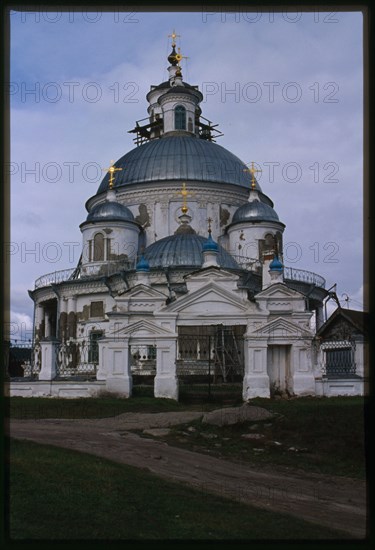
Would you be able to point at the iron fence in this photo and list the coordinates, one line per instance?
(143, 364)
(77, 358)
(21, 359)
(90, 271)
(339, 358)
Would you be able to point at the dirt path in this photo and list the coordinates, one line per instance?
(336, 502)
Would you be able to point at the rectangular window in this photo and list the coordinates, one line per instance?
(180, 117)
(340, 362)
(98, 248)
(94, 347)
(151, 353)
(97, 309)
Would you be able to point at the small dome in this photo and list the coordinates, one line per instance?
(143, 265)
(172, 57)
(184, 250)
(210, 245)
(255, 211)
(165, 86)
(276, 265)
(110, 211)
(182, 90)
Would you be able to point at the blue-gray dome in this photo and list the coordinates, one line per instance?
(184, 250)
(255, 211)
(110, 211)
(276, 265)
(210, 245)
(143, 265)
(181, 158)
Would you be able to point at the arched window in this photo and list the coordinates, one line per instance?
(279, 237)
(180, 117)
(98, 248)
(269, 241)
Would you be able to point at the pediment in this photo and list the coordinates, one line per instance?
(216, 273)
(142, 328)
(140, 298)
(210, 299)
(282, 328)
(143, 292)
(279, 291)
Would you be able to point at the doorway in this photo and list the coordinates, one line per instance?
(279, 370)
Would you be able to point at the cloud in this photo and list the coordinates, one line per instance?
(21, 326)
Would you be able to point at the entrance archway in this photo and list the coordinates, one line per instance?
(279, 370)
(210, 362)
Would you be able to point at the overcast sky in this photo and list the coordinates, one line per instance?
(285, 89)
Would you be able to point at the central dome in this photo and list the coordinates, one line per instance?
(184, 158)
(184, 250)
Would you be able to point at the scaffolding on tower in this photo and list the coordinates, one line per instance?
(143, 130)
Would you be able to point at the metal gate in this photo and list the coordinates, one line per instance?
(210, 363)
(143, 368)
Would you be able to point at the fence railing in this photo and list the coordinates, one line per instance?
(21, 359)
(250, 264)
(303, 276)
(78, 273)
(54, 278)
(77, 358)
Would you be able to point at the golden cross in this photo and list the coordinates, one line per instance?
(173, 36)
(111, 171)
(209, 220)
(252, 171)
(185, 194)
(179, 56)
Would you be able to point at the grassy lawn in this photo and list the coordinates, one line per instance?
(57, 494)
(101, 407)
(327, 436)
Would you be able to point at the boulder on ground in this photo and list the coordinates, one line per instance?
(236, 415)
(157, 432)
(252, 436)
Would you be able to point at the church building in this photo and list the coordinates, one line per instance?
(181, 273)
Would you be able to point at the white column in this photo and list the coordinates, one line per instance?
(266, 277)
(72, 300)
(39, 316)
(63, 305)
(359, 359)
(48, 360)
(166, 383)
(101, 373)
(47, 326)
(302, 369)
(119, 379)
(256, 381)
